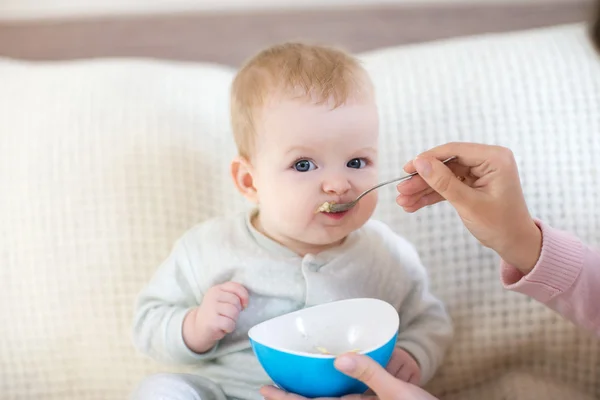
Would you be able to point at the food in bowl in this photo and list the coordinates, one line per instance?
(323, 350)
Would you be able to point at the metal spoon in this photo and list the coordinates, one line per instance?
(341, 207)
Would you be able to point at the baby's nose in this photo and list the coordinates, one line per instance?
(336, 185)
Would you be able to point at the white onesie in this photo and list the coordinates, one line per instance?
(372, 262)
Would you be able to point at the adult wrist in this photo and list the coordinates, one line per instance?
(524, 249)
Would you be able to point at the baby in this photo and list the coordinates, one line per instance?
(306, 126)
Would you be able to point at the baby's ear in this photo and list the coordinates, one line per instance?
(241, 172)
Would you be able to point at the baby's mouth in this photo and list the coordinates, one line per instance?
(325, 207)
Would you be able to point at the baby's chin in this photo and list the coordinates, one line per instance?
(321, 237)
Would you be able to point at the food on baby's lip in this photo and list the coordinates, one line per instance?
(325, 207)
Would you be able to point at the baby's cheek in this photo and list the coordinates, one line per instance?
(295, 207)
(368, 204)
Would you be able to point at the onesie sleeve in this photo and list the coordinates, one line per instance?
(162, 305)
(425, 326)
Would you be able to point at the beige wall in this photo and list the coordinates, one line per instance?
(47, 8)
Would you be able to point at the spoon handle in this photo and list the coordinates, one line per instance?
(396, 180)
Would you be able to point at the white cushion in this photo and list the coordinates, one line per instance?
(103, 164)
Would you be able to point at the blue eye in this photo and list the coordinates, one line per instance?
(304, 165)
(357, 163)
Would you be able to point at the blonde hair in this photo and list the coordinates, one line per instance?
(295, 70)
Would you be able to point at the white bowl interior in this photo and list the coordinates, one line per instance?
(338, 327)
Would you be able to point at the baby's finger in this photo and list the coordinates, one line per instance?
(394, 366)
(230, 298)
(228, 310)
(226, 324)
(414, 379)
(404, 374)
(238, 290)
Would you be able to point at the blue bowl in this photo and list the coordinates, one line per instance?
(297, 350)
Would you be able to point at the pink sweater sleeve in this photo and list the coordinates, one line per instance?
(566, 278)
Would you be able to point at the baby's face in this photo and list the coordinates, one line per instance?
(309, 154)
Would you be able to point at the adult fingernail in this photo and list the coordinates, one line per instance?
(423, 167)
(345, 364)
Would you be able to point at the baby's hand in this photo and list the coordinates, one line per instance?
(216, 316)
(404, 367)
